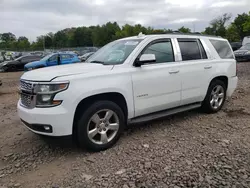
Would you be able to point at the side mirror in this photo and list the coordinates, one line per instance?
(144, 59)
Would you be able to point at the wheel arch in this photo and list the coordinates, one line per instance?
(115, 97)
(222, 78)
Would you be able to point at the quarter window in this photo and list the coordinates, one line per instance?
(191, 49)
(162, 50)
(222, 48)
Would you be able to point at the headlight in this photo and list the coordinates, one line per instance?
(248, 52)
(50, 88)
(45, 93)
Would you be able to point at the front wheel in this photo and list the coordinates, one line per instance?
(215, 98)
(100, 126)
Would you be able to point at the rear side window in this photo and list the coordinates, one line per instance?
(162, 50)
(222, 48)
(191, 49)
(66, 56)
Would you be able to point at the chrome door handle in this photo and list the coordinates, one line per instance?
(208, 67)
(174, 72)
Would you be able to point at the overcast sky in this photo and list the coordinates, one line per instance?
(32, 18)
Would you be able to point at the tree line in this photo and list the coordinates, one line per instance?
(102, 34)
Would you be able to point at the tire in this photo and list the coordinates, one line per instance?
(209, 104)
(89, 121)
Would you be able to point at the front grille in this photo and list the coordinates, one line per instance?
(27, 86)
(27, 100)
(26, 94)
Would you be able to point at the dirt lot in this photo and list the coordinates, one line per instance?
(190, 149)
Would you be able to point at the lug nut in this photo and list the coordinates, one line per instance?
(104, 129)
(100, 130)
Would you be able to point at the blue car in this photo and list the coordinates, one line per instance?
(53, 60)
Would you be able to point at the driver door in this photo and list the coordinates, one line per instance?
(157, 86)
(53, 60)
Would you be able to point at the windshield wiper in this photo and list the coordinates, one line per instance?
(100, 62)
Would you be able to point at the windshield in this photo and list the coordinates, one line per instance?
(17, 59)
(46, 57)
(115, 52)
(246, 47)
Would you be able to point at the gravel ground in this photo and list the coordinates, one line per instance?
(190, 149)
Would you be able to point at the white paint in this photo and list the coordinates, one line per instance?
(146, 89)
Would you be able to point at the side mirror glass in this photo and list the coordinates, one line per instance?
(144, 59)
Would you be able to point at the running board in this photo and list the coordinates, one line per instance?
(164, 113)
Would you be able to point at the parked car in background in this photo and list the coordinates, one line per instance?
(54, 59)
(246, 40)
(236, 45)
(131, 80)
(86, 56)
(1, 58)
(17, 64)
(243, 54)
(38, 53)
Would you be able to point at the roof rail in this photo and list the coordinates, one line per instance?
(195, 33)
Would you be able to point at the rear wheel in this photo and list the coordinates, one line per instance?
(100, 126)
(215, 97)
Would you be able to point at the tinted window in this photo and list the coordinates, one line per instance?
(191, 49)
(222, 48)
(25, 59)
(32, 58)
(163, 51)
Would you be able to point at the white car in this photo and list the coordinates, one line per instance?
(130, 80)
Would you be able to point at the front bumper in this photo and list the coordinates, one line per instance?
(58, 118)
(232, 85)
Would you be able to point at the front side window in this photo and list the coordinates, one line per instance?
(162, 50)
(191, 49)
(115, 52)
(246, 47)
(223, 49)
(53, 58)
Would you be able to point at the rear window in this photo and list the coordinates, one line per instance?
(222, 48)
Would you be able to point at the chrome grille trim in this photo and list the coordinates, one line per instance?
(26, 94)
(26, 86)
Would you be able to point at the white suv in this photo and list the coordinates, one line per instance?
(130, 80)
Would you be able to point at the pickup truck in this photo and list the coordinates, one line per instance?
(130, 80)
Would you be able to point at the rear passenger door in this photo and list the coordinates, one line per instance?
(66, 58)
(195, 70)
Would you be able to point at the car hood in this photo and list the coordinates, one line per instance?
(33, 64)
(241, 51)
(49, 73)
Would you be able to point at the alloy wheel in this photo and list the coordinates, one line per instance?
(103, 126)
